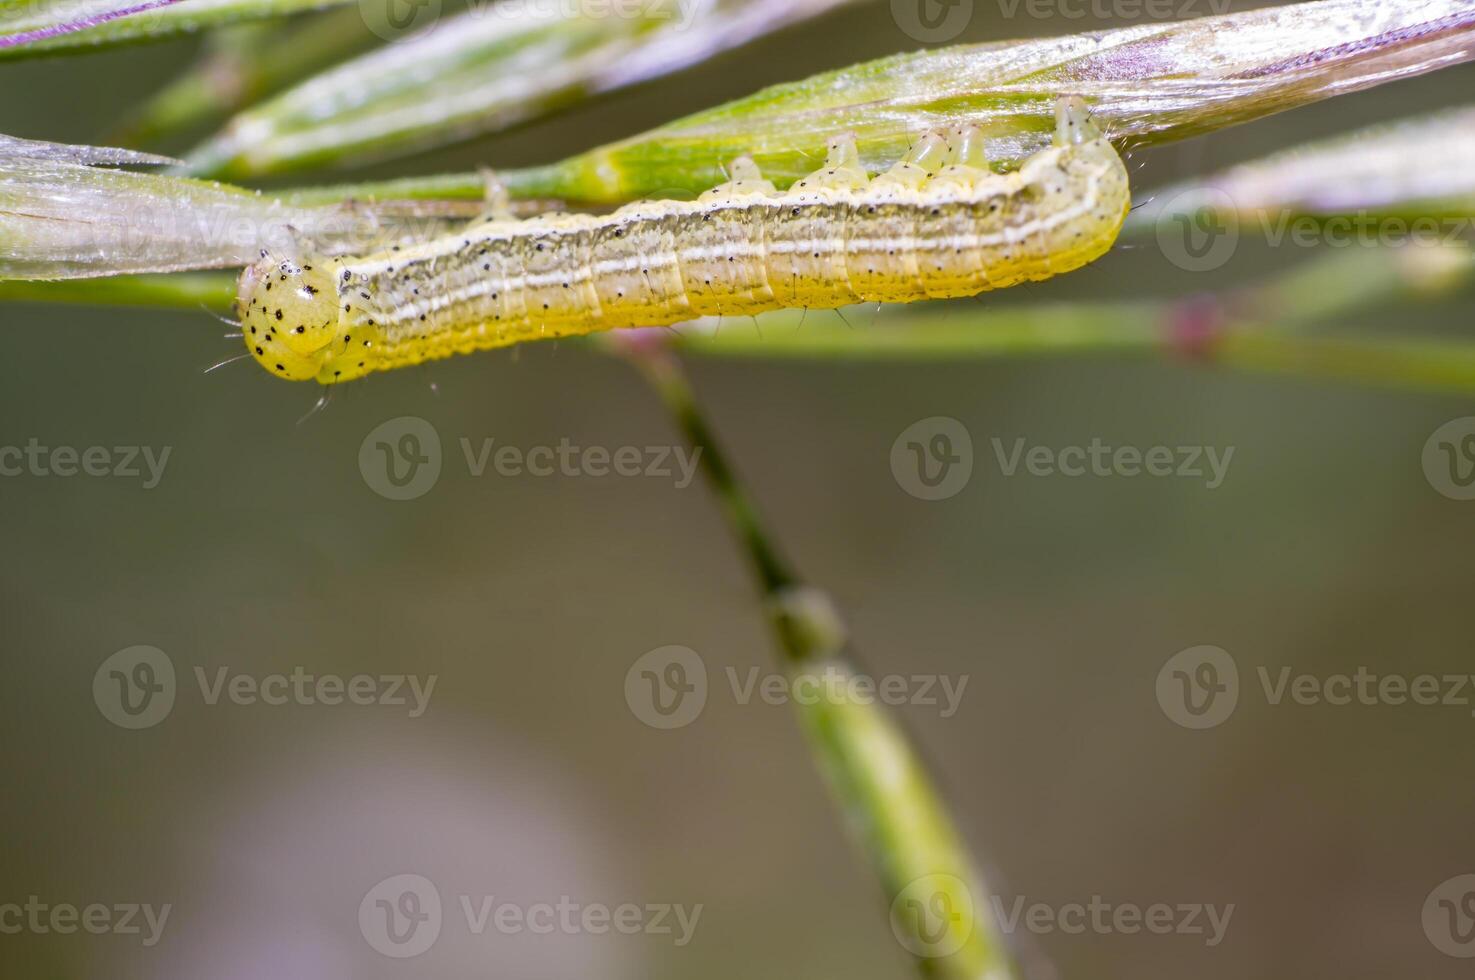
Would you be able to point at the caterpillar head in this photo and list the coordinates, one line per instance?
(290, 321)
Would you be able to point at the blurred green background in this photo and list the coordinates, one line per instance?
(529, 777)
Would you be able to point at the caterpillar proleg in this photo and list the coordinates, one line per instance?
(937, 224)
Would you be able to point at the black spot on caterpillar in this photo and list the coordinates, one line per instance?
(937, 224)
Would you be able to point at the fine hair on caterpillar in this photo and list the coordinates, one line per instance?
(937, 224)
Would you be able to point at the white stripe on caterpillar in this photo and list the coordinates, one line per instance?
(937, 224)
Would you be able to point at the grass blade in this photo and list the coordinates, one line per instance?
(32, 23)
(1416, 170)
(478, 72)
(62, 215)
(243, 64)
(38, 27)
(1150, 84)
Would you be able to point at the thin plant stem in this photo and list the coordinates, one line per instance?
(938, 907)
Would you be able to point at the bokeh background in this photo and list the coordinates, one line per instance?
(529, 777)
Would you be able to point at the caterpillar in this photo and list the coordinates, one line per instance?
(937, 224)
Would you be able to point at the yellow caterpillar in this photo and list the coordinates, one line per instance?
(937, 224)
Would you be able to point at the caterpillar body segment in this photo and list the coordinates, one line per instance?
(937, 224)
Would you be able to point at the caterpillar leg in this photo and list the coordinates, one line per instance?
(1073, 125)
(728, 275)
(842, 169)
(950, 262)
(496, 204)
(804, 270)
(1048, 188)
(924, 158)
(1080, 175)
(886, 264)
(969, 166)
(745, 179)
